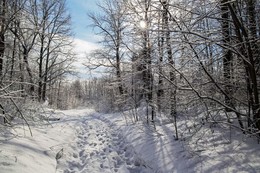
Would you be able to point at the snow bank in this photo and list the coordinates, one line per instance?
(206, 151)
(22, 153)
(95, 142)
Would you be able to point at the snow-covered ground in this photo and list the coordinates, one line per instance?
(85, 141)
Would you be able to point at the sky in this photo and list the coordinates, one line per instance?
(85, 39)
(80, 21)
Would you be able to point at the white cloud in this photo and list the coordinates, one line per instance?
(82, 48)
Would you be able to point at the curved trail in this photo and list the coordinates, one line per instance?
(100, 147)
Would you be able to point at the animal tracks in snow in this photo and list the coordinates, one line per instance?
(100, 147)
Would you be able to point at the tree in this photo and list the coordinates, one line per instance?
(39, 41)
(142, 48)
(207, 51)
(147, 71)
(110, 25)
(171, 62)
(26, 31)
(54, 23)
(250, 61)
(3, 8)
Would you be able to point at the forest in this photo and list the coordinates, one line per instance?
(192, 61)
(197, 60)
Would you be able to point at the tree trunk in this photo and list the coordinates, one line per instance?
(250, 64)
(46, 73)
(118, 72)
(13, 55)
(148, 77)
(227, 54)
(172, 74)
(160, 91)
(40, 85)
(25, 58)
(2, 50)
(2, 34)
(21, 68)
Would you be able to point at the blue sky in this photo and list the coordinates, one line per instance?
(80, 21)
(85, 40)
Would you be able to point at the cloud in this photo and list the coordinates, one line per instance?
(81, 49)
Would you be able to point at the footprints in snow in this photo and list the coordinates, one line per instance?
(100, 148)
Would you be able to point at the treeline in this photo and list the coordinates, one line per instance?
(35, 52)
(196, 58)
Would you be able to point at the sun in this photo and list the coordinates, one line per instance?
(143, 24)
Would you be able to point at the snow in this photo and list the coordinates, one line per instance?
(88, 141)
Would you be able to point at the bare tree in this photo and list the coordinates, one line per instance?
(171, 61)
(110, 25)
(34, 32)
(207, 51)
(26, 31)
(54, 23)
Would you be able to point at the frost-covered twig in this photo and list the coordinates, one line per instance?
(17, 108)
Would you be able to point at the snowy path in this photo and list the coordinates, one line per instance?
(100, 147)
(105, 143)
